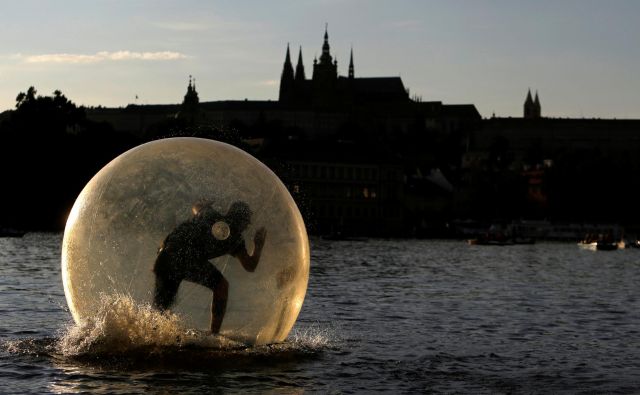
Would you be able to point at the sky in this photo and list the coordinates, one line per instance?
(581, 56)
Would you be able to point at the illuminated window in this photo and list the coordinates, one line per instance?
(365, 193)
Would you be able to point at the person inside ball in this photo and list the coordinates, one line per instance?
(186, 251)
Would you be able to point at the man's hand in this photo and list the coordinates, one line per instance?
(249, 262)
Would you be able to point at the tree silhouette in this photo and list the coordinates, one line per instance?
(48, 152)
(44, 116)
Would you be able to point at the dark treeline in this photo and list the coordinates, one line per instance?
(49, 151)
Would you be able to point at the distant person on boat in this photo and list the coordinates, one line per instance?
(186, 251)
(608, 238)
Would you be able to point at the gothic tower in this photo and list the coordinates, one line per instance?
(536, 105)
(326, 69)
(325, 75)
(300, 68)
(531, 110)
(351, 70)
(190, 103)
(287, 80)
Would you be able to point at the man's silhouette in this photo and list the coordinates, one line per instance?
(186, 251)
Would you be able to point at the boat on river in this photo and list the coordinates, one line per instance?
(601, 243)
(501, 236)
(505, 242)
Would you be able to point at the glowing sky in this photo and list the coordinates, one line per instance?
(581, 55)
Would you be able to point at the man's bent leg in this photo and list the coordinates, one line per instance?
(207, 275)
(165, 292)
(219, 305)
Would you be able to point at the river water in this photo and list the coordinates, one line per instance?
(390, 316)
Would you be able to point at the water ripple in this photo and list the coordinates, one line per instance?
(388, 316)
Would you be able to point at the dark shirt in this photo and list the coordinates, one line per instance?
(192, 242)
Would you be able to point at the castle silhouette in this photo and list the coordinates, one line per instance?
(327, 88)
(366, 157)
(323, 107)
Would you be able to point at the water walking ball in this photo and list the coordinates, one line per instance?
(194, 227)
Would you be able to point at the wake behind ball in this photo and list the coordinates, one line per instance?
(191, 226)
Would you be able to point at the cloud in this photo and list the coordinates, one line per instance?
(269, 83)
(103, 56)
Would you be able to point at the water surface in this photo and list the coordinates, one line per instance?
(408, 316)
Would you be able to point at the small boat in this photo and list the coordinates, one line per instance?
(502, 235)
(490, 241)
(632, 244)
(500, 239)
(588, 245)
(524, 240)
(601, 244)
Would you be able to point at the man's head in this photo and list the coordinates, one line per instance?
(201, 205)
(239, 215)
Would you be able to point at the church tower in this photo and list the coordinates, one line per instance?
(190, 103)
(351, 70)
(326, 69)
(531, 107)
(300, 68)
(287, 80)
(325, 75)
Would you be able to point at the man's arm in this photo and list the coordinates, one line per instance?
(249, 262)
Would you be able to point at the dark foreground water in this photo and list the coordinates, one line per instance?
(379, 316)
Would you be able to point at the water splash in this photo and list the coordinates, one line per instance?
(30, 346)
(121, 325)
(128, 335)
(314, 337)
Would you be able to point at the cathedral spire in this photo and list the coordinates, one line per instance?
(287, 59)
(300, 67)
(536, 105)
(190, 103)
(325, 58)
(287, 78)
(325, 76)
(351, 70)
(531, 107)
